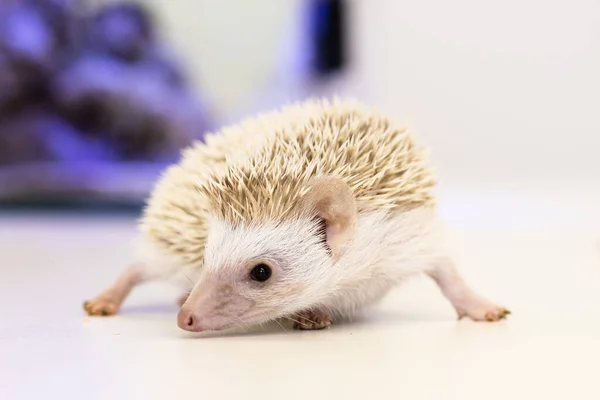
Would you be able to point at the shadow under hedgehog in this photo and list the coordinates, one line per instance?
(310, 213)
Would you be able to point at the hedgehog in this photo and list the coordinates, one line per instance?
(309, 213)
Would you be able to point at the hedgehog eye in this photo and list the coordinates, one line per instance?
(260, 273)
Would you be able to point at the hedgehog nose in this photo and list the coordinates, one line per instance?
(188, 322)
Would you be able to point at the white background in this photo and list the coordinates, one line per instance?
(500, 90)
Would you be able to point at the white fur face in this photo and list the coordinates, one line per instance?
(226, 294)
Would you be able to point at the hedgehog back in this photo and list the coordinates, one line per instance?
(378, 160)
(256, 170)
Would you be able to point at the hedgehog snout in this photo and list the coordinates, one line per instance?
(210, 306)
(187, 321)
(197, 320)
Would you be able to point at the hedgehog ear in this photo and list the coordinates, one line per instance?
(333, 201)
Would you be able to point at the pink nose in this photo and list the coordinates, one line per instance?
(188, 322)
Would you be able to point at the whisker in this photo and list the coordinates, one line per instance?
(262, 326)
(282, 327)
(240, 322)
(302, 323)
(294, 320)
(188, 278)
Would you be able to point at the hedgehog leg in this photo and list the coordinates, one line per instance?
(465, 300)
(311, 320)
(109, 301)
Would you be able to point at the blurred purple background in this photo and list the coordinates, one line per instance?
(90, 101)
(93, 104)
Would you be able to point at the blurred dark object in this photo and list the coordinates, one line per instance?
(329, 35)
(81, 85)
(138, 108)
(123, 30)
(37, 135)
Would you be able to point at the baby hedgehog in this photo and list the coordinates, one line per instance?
(308, 213)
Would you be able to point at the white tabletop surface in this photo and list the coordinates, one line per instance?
(534, 252)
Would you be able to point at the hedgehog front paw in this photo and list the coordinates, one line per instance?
(311, 320)
(482, 310)
(101, 305)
